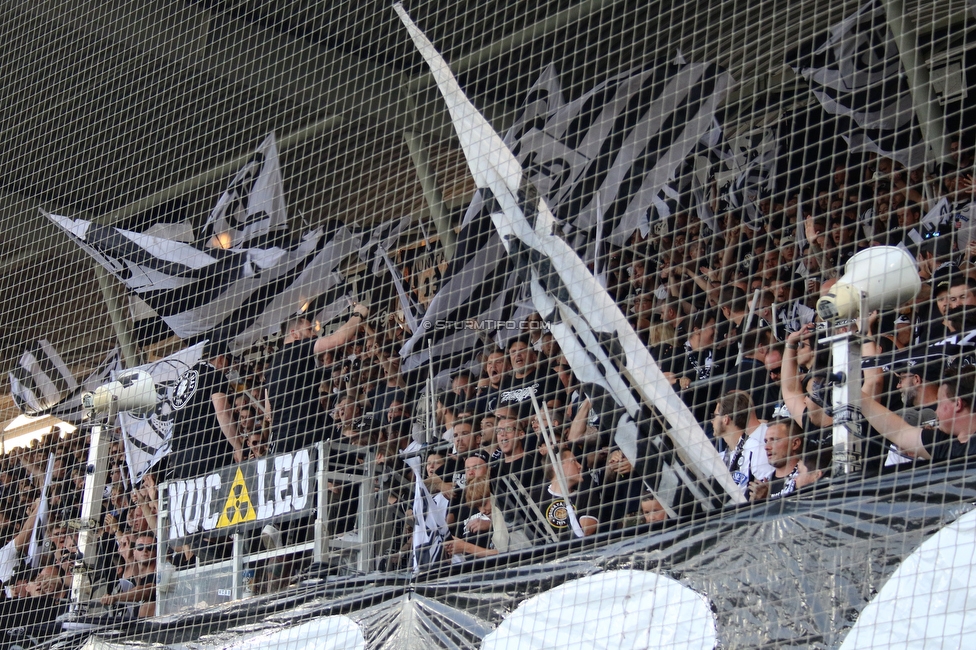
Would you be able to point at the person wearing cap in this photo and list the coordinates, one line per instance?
(293, 379)
(918, 384)
(955, 438)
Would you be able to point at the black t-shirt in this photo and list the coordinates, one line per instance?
(518, 393)
(293, 380)
(556, 513)
(198, 445)
(941, 446)
(528, 472)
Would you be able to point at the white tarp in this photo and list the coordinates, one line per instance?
(330, 633)
(617, 610)
(930, 600)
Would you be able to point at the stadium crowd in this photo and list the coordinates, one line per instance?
(520, 452)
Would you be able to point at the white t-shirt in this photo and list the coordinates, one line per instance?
(8, 564)
(756, 448)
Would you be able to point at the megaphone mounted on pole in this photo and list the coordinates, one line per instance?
(880, 278)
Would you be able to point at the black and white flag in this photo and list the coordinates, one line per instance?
(588, 325)
(855, 72)
(252, 208)
(40, 380)
(746, 172)
(223, 294)
(147, 438)
(41, 384)
(604, 160)
(610, 156)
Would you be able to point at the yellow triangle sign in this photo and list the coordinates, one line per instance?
(238, 508)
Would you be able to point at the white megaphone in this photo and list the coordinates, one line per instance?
(133, 392)
(880, 277)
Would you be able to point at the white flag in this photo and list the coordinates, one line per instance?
(253, 205)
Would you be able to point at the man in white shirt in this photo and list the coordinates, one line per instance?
(729, 420)
(10, 554)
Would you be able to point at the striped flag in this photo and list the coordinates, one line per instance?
(40, 380)
(252, 208)
(41, 384)
(599, 342)
(855, 72)
(230, 295)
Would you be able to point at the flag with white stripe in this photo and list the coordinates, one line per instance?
(855, 72)
(70, 409)
(41, 380)
(230, 295)
(147, 438)
(252, 208)
(592, 330)
(604, 160)
(35, 546)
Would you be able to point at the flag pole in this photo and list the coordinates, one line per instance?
(931, 119)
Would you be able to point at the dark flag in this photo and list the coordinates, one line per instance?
(855, 72)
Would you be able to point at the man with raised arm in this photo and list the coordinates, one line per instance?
(954, 438)
(292, 379)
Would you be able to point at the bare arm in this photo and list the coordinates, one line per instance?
(344, 334)
(137, 594)
(894, 428)
(578, 428)
(467, 548)
(225, 418)
(589, 525)
(20, 541)
(792, 390)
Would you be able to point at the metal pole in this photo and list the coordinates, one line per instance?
(237, 579)
(931, 119)
(215, 174)
(113, 297)
(846, 353)
(91, 510)
(321, 482)
(428, 180)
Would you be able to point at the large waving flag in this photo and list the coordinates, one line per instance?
(591, 326)
(604, 162)
(253, 206)
(855, 72)
(224, 294)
